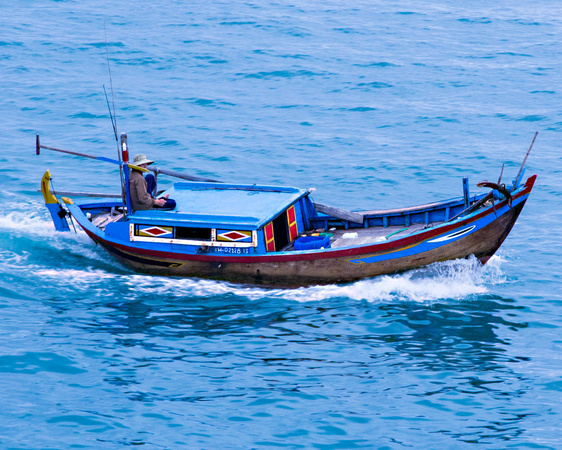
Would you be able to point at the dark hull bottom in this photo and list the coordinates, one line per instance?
(482, 244)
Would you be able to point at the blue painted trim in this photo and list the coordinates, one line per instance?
(61, 224)
(466, 192)
(129, 203)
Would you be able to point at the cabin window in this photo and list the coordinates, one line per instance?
(276, 233)
(208, 237)
(194, 234)
(281, 231)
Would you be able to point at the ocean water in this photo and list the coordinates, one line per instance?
(375, 104)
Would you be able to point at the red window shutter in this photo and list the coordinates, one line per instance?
(292, 220)
(269, 238)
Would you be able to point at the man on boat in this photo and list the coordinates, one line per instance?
(141, 197)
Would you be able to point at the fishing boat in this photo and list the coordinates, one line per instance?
(278, 236)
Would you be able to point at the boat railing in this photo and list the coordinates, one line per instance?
(427, 214)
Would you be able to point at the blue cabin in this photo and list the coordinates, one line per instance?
(221, 218)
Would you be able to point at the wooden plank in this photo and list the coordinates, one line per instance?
(339, 213)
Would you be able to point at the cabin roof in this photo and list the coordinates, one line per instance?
(221, 204)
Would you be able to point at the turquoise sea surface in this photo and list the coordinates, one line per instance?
(376, 104)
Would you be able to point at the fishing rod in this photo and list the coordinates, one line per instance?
(156, 170)
(516, 182)
(121, 155)
(39, 146)
(114, 116)
(497, 186)
(113, 123)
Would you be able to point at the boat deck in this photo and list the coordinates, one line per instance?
(102, 219)
(363, 236)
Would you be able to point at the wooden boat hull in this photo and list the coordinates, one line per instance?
(479, 234)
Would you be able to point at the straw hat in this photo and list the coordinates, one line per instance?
(141, 159)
